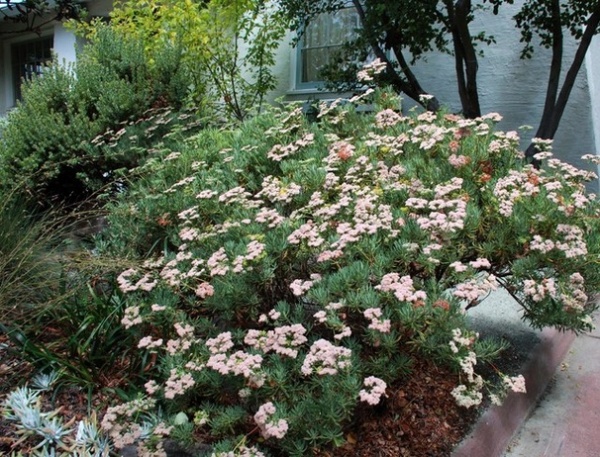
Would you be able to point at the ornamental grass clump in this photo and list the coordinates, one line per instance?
(295, 269)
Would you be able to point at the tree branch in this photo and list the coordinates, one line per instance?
(563, 97)
(468, 58)
(413, 91)
(555, 68)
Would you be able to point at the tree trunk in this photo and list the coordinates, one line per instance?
(555, 68)
(465, 56)
(549, 125)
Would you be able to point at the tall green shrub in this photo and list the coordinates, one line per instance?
(47, 140)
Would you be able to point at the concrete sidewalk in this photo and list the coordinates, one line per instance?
(565, 423)
(559, 415)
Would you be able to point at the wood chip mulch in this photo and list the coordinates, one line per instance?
(419, 418)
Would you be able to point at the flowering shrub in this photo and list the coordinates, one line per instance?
(295, 268)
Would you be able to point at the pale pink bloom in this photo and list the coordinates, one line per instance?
(458, 161)
(387, 118)
(465, 397)
(458, 266)
(480, 263)
(206, 194)
(177, 384)
(131, 317)
(269, 427)
(402, 287)
(515, 383)
(205, 290)
(150, 343)
(220, 344)
(326, 359)
(374, 389)
(473, 289)
(346, 331)
(320, 316)
(274, 314)
(151, 387)
(300, 287)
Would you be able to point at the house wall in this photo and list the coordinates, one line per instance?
(507, 84)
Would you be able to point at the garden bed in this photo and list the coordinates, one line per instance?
(419, 416)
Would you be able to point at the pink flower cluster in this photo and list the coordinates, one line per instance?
(282, 340)
(239, 363)
(402, 288)
(325, 359)
(575, 297)
(275, 191)
(388, 118)
(279, 152)
(269, 427)
(185, 340)
(374, 389)
(475, 288)
(537, 291)
(220, 344)
(387, 143)
(131, 317)
(428, 135)
(374, 315)
(515, 186)
(269, 216)
(370, 70)
(204, 290)
(144, 283)
(515, 383)
(459, 161)
(178, 383)
(300, 287)
(240, 451)
(117, 424)
(309, 232)
(571, 242)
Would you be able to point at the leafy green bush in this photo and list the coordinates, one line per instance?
(291, 271)
(47, 140)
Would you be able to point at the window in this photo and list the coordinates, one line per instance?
(321, 40)
(28, 59)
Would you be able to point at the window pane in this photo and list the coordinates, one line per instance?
(324, 37)
(28, 59)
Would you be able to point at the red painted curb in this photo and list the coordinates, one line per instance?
(494, 430)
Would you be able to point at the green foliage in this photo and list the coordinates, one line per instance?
(365, 236)
(228, 46)
(47, 140)
(29, 269)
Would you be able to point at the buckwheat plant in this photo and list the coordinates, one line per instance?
(303, 265)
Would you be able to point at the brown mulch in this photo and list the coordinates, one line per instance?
(419, 417)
